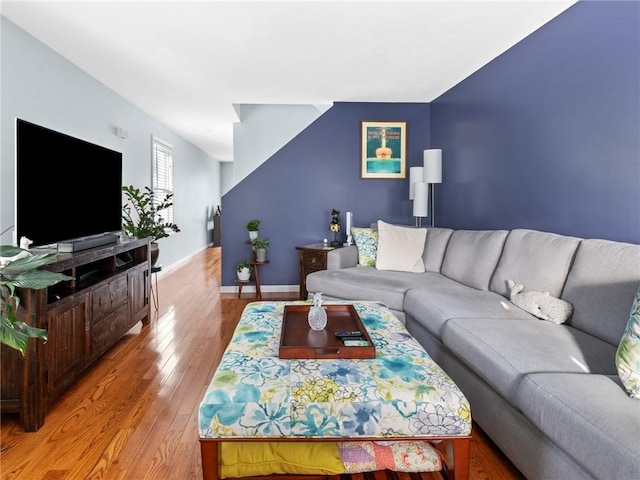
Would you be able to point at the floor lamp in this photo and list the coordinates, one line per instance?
(432, 175)
(420, 202)
(416, 176)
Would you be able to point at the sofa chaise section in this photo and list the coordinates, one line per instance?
(548, 394)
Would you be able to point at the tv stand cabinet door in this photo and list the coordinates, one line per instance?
(139, 284)
(68, 343)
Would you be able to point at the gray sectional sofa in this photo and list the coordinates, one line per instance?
(547, 394)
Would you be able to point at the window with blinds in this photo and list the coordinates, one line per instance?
(162, 174)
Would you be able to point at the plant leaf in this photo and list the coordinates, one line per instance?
(37, 279)
(28, 263)
(13, 338)
(9, 250)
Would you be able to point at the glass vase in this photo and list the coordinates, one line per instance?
(317, 314)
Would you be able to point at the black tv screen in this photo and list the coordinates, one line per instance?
(66, 188)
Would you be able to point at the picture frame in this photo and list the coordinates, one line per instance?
(383, 150)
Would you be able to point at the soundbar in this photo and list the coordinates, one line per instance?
(77, 244)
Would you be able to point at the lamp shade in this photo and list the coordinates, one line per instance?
(433, 165)
(415, 176)
(420, 199)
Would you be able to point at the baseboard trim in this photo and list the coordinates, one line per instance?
(263, 288)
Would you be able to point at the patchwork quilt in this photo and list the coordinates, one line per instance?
(400, 393)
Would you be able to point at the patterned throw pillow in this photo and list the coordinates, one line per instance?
(406, 456)
(628, 353)
(367, 243)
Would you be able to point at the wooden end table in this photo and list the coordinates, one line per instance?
(312, 258)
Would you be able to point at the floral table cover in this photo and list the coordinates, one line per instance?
(400, 393)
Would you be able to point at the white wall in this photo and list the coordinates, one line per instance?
(261, 132)
(40, 86)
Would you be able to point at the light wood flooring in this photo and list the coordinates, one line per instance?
(134, 414)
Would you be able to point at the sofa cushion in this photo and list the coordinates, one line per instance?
(628, 353)
(601, 286)
(400, 248)
(589, 416)
(365, 283)
(434, 306)
(434, 248)
(503, 352)
(472, 255)
(538, 260)
(367, 244)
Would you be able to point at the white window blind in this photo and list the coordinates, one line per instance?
(162, 174)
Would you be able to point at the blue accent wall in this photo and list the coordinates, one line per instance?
(294, 191)
(547, 136)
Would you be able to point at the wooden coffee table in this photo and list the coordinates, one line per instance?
(409, 396)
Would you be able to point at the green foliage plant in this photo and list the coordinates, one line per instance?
(253, 225)
(244, 264)
(259, 242)
(22, 273)
(141, 215)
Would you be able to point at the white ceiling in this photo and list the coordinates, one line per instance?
(188, 63)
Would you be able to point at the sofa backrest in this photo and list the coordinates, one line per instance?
(538, 260)
(434, 247)
(601, 286)
(472, 255)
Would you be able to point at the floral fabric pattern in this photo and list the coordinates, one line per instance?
(628, 353)
(367, 244)
(400, 393)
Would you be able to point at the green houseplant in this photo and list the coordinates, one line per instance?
(21, 273)
(260, 245)
(253, 226)
(244, 269)
(142, 216)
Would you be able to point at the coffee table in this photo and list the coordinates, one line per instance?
(256, 396)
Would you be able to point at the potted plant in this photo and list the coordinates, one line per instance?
(260, 245)
(18, 270)
(253, 226)
(244, 269)
(142, 216)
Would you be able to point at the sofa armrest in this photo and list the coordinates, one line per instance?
(343, 257)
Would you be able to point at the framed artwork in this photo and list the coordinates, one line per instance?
(384, 150)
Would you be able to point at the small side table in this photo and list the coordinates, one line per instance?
(155, 293)
(312, 258)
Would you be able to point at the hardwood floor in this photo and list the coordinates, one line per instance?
(134, 414)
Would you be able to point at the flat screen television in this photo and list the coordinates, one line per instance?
(66, 188)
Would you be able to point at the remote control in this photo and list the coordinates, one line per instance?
(349, 334)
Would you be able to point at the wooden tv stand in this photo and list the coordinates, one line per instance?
(84, 317)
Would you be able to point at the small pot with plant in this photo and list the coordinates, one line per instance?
(253, 226)
(244, 269)
(260, 245)
(142, 216)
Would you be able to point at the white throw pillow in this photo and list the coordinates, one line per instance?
(400, 248)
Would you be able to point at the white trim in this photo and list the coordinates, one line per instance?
(263, 288)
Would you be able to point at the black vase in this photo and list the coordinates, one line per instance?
(155, 253)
